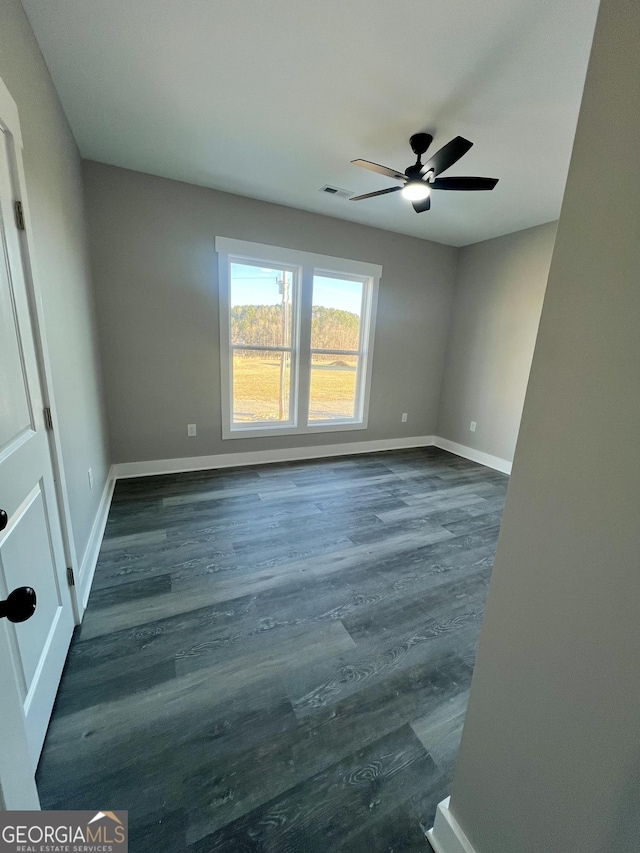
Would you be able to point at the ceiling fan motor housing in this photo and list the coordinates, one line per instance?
(419, 143)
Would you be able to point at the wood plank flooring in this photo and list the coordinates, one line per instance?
(278, 658)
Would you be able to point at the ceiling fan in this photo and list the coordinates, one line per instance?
(418, 180)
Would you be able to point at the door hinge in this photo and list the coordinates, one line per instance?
(48, 420)
(17, 206)
(71, 578)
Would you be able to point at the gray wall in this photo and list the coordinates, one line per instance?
(498, 299)
(54, 187)
(550, 756)
(155, 270)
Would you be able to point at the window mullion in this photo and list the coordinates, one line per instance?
(226, 353)
(304, 381)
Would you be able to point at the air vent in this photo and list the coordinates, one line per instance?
(336, 191)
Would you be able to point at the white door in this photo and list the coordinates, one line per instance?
(17, 784)
(31, 549)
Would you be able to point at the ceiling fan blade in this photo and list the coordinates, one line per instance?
(378, 192)
(382, 170)
(463, 183)
(420, 206)
(447, 155)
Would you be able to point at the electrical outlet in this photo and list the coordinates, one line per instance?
(90, 476)
(404, 417)
(191, 429)
(472, 426)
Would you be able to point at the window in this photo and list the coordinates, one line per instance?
(296, 338)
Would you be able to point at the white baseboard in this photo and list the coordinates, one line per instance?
(447, 836)
(263, 457)
(90, 558)
(479, 456)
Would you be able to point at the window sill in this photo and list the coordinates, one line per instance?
(279, 430)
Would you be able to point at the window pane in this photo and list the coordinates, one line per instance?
(336, 313)
(261, 386)
(260, 305)
(333, 387)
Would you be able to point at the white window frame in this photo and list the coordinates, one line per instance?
(304, 266)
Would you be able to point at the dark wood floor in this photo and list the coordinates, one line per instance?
(277, 658)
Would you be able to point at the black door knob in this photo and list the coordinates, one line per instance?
(4, 519)
(20, 604)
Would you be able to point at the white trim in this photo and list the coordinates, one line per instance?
(92, 551)
(281, 429)
(9, 111)
(474, 455)
(295, 257)
(447, 836)
(263, 457)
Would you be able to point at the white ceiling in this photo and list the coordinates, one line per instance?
(274, 98)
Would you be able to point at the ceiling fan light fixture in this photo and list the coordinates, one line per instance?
(416, 191)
